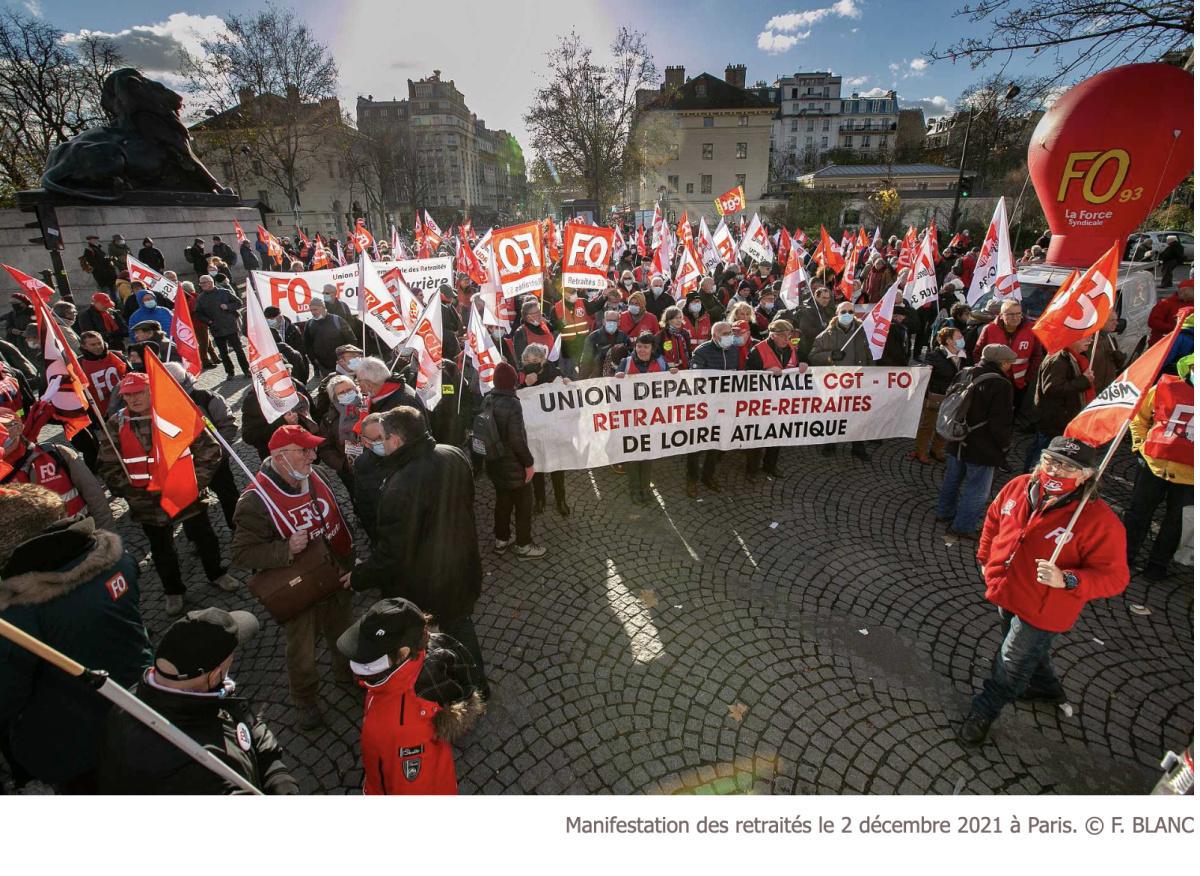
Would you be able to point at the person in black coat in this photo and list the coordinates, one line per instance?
(972, 462)
(151, 256)
(250, 260)
(223, 251)
(425, 549)
(197, 257)
(113, 329)
(512, 472)
(189, 685)
(97, 262)
(895, 348)
(257, 432)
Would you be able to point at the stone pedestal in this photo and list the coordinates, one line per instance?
(173, 228)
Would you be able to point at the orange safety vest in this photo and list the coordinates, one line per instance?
(575, 322)
(766, 352)
(700, 329)
(44, 468)
(139, 462)
(1172, 436)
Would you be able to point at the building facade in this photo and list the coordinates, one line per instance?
(867, 125)
(810, 108)
(459, 165)
(705, 135)
(927, 192)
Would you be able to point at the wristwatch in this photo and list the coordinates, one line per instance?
(1070, 580)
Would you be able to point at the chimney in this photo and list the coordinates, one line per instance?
(245, 95)
(293, 94)
(674, 77)
(735, 75)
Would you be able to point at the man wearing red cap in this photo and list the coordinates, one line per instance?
(104, 319)
(288, 505)
(57, 467)
(129, 476)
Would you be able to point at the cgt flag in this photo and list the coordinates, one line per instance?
(1081, 309)
(731, 202)
(828, 254)
(793, 275)
(183, 335)
(1107, 415)
(177, 424)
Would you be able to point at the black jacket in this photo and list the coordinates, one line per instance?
(197, 258)
(75, 588)
(152, 256)
(256, 431)
(945, 369)
(104, 270)
(136, 760)
(91, 320)
(221, 323)
(249, 258)
(225, 253)
(595, 350)
(990, 404)
(426, 548)
(508, 472)
(322, 337)
(710, 355)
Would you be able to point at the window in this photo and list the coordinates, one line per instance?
(743, 120)
(256, 166)
(848, 142)
(691, 187)
(824, 142)
(791, 144)
(741, 150)
(701, 89)
(706, 151)
(706, 183)
(673, 182)
(825, 93)
(866, 140)
(708, 121)
(795, 93)
(810, 124)
(795, 124)
(808, 141)
(825, 124)
(740, 179)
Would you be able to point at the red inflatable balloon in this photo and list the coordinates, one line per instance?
(1108, 152)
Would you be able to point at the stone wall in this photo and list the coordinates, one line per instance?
(172, 228)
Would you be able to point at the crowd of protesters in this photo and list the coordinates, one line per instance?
(411, 477)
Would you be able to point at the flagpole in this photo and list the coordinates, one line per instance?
(462, 380)
(127, 702)
(1065, 535)
(107, 434)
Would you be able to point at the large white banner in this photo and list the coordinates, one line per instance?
(607, 420)
(291, 293)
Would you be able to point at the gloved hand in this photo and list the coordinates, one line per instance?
(837, 355)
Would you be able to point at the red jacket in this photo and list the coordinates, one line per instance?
(645, 323)
(401, 753)
(1162, 318)
(1023, 342)
(1015, 536)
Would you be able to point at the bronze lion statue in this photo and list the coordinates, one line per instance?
(144, 147)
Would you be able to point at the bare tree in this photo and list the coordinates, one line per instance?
(290, 80)
(582, 119)
(1082, 36)
(49, 92)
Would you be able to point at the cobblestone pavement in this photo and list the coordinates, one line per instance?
(810, 634)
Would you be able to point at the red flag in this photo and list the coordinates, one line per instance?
(1107, 415)
(65, 379)
(177, 423)
(363, 239)
(433, 234)
(828, 255)
(466, 262)
(31, 286)
(550, 240)
(641, 241)
(864, 242)
(846, 284)
(274, 247)
(785, 245)
(320, 257)
(238, 233)
(183, 333)
(1080, 310)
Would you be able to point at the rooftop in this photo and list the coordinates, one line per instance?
(876, 170)
(708, 92)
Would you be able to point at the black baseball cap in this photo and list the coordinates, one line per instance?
(200, 641)
(1072, 450)
(388, 626)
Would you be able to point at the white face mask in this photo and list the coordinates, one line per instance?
(628, 284)
(347, 398)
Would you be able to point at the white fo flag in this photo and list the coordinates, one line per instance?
(481, 349)
(708, 250)
(878, 321)
(994, 270)
(723, 243)
(272, 383)
(389, 317)
(426, 339)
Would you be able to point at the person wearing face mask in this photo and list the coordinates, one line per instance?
(197, 257)
(536, 369)
(1015, 331)
(257, 430)
(218, 308)
(946, 359)
(1038, 600)
(776, 354)
(765, 311)
(697, 322)
(150, 309)
(341, 413)
(348, 358)
(262, 539)
(658, 299)
(426, 548)
(129, 477)
(600, 342)
(56, 583)
(1164, 440)
(573, 324)
(532, 329)
(810, 317)
(636, 320)
(843, 343)
(718, 354)
(323, 334)
(674, 340)
(189, 685)
(971, 463)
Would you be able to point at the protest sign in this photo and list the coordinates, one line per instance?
(604, 421)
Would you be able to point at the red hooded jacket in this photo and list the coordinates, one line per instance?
(1016, 535)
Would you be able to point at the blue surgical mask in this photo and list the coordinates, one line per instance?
(960, 344)
(727, 341)
(610, 326)
(694, 307)
(635, 310)
(347, 398)
(844, 319)
(377, 448)
(739, 340)
(354, 363)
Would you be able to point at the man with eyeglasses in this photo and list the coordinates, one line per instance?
(1038, 599)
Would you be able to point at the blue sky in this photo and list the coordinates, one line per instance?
(493, 49)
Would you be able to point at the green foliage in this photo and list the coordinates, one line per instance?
(811, 208)
(1173, 217)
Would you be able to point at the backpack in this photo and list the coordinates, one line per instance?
(952, 412)
(485, 435)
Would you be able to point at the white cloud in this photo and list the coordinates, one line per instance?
(784, 31)
(33, 7)
(1053, 95)
(894, 67)
(157, 49)
(934, 107)
(874, 92)
(778, 43)
(855, 81)
(918, 63)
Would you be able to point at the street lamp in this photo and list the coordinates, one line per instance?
(1013, 91)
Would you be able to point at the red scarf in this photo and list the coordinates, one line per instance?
(110, 324)
(1082, 362)
(384, 391)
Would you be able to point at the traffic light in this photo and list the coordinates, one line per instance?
(964, 190)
